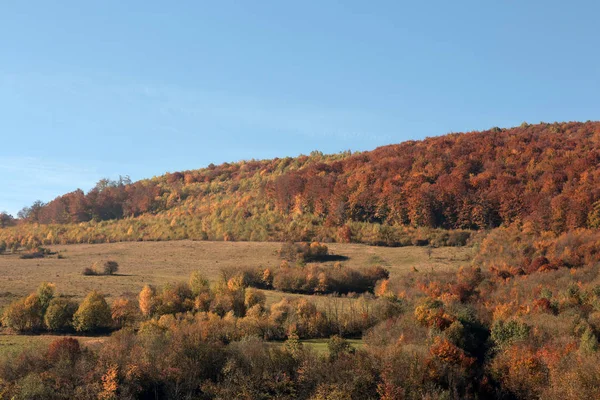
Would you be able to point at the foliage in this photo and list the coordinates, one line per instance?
(93, 314)
(503, 333)
(59, 315)
(110, 267)
(303, 252)
(541, 175)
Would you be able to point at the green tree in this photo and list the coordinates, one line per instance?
(198, 283)
(93, 314)
(24, 315)
(337, 345)
(504, 333)
(594, 216)
(588, 342)
(15, 316)
(59, 315)
(45, 293)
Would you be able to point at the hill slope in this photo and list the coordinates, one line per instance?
(544, 175)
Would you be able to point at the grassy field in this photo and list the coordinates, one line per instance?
(160, 262)
(15, 344)
(320, 345)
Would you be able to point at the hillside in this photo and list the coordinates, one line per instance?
(545, 176)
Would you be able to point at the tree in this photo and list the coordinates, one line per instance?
(15, 316)
(59, 314)
(110, 267)
(24, 315)
(198, 283)
(45, 293)
(124, 312)
(93, 314)
(594, 216)
(337, 346)
(147, 300)
(33, 213)
(6, 220)
(254, 297)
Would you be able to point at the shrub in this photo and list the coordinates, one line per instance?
(124, 312)
(39, 252)
(15, 316)
(588, 342)
(175, 298)
(89, 271)
(24, 315)
(64, 349)
(45, 293)
(337, 346)
(254, 297)
(198, 283)
(59, 315)
(505, 333)
(93, 314)
(31, 255)
(110, 267)
(327, 279)
(147, 301)
(303, 252)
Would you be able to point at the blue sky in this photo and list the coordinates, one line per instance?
(97, 89)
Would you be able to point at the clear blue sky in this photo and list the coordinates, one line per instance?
(92, 89)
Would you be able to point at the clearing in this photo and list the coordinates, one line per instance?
(158, 263)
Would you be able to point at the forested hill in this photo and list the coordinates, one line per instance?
(544, 175)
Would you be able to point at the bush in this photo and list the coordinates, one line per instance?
(110, 267)
(39, 252)
(93, 315)
(124, 312)
(15, 316)
(64, 349)
(59, 315)
(89, 271)
(31, 255)
(337, 346)
(24, 315)
(303, 252)
(254, 297)
(316, 279)
(504, 333)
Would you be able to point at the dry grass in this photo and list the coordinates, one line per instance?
(15, 344)
(157, 263)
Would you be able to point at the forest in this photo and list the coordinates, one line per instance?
(544, 175)
(519, 320)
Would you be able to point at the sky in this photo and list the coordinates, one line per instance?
(107, 88)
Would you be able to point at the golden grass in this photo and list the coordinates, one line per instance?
(158, 263)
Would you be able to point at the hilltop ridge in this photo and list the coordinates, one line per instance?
(543, 175)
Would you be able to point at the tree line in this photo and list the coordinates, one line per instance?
(544, 174)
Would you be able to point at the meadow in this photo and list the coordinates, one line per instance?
(158, 263)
